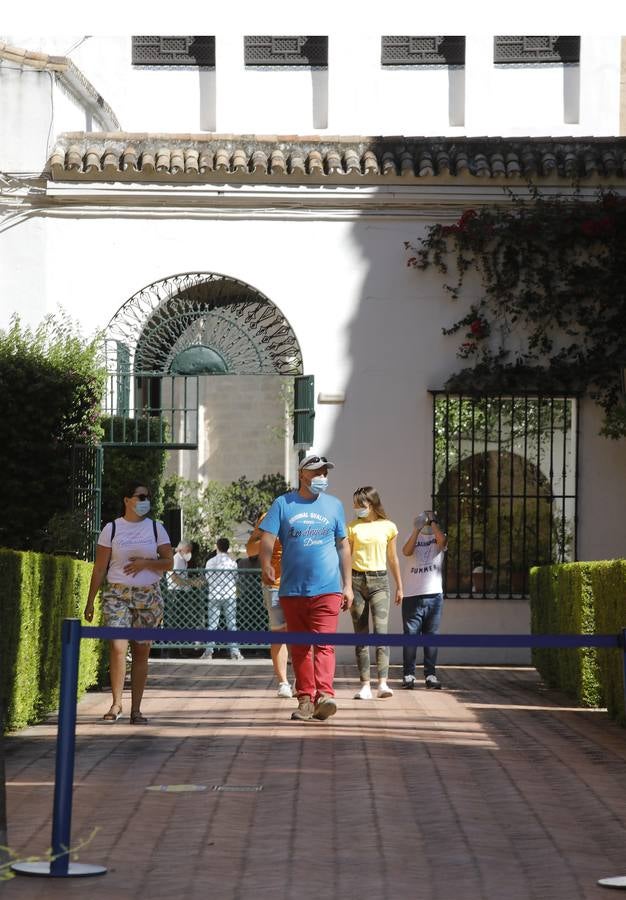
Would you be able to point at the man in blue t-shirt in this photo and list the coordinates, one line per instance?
(316, 578)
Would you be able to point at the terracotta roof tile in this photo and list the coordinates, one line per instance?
(296, 162)
(278, 165)
(145, 157)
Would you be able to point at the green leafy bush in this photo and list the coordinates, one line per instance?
(126, 463)
(51, 384)
(215, 510)
(551, 309)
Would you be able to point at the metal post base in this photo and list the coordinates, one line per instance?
(618, 881)
(74, 870)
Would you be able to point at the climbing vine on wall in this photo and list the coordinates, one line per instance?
(551, 313)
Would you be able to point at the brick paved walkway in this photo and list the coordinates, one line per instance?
(493, 788)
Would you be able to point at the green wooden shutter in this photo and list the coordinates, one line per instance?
(304, 410)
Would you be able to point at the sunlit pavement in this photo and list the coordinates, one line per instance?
(492, 788)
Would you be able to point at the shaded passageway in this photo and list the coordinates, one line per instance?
(493, 788)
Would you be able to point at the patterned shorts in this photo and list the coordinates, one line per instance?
(132, 607)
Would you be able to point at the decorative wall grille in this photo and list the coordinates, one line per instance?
(504, 488)
(173, 50)
(202, 309)
(283, 50)
(535, 49)
(405, 50)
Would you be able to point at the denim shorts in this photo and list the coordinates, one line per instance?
(274, 610)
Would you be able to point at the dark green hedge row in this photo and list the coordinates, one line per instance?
(581, 598)
(37, 592)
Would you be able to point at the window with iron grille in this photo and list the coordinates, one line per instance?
(535, 49)
(406, 50)
(504, 488)
(283, 50)
(173, 50)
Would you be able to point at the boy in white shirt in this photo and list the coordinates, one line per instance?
(222, 595)
(423, 594)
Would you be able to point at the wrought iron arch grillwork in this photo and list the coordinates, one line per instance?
(200, 309)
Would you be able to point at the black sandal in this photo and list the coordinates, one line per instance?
(137, 719)
(111, 715)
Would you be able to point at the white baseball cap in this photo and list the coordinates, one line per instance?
(314, 461)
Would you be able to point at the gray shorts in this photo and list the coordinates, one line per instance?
(274, 610)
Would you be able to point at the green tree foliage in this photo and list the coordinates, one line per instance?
(216, 510)
(127, 463)
(51, 383)
(552, 312)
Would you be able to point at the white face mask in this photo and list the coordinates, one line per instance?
(318, 484)
(186, 556)
(361, 511)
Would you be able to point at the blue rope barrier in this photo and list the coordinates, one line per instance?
(205, 636)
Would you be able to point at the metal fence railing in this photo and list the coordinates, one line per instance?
(213, 598)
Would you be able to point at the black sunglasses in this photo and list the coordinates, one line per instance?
(315, 459)
(142, 496)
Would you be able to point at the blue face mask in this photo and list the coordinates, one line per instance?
(142, 507)
(361, 511)
(318, 484)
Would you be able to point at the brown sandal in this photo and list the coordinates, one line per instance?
(137, 719)
(112, 715)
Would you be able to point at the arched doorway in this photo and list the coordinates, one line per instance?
(203, 309)
(227, 337)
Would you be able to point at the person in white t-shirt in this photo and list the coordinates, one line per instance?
(221, 572)
(132, 554)
(423, 594)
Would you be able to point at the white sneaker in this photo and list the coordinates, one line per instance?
(433, 682)
(384, 690)
(208, 654)
(364, 694)
(236, 654)
(284, 690)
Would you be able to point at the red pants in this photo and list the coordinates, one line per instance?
(313, 666)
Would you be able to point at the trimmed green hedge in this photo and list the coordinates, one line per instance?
(608, 583)
(37, 591)
(581, 598)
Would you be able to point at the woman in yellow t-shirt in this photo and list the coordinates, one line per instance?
(372, 537)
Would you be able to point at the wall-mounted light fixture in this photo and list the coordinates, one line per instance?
(340, 397)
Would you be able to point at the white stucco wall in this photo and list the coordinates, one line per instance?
(242, 431)
(368, 327)
(356, 95)
(26, 118)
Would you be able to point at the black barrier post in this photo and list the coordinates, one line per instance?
(60, 865)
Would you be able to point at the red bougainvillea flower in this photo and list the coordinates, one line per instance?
(596, 227)
(467, 216)
(477, 327)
